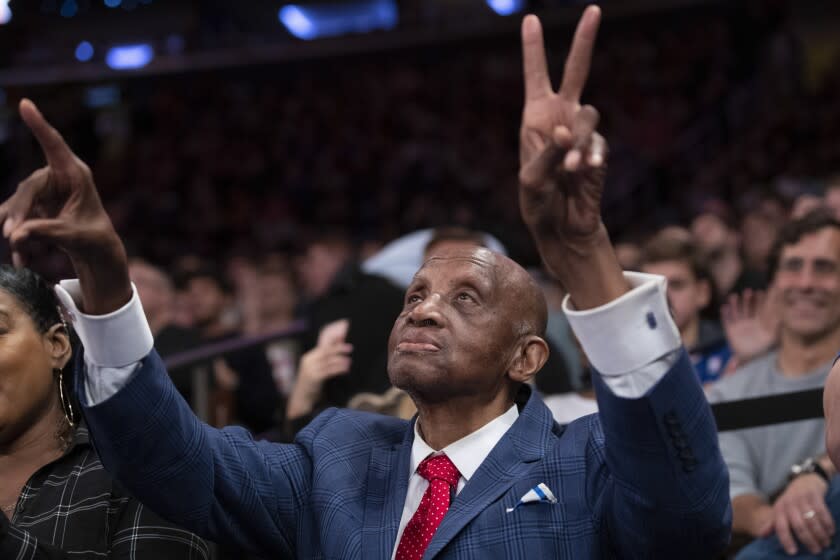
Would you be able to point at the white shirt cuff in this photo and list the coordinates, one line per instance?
(631, 332)
(115, 340)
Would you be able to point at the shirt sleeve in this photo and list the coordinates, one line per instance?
(114, 343)
(632, 341)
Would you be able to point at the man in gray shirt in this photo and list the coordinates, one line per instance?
(796, 513)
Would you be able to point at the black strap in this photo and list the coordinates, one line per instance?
(765, 411)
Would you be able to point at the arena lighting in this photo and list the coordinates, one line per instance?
(506, 7)
(102, 96)
(113, 3)
(84, 51)
(5, 12)
(312, 21)
(129, 57)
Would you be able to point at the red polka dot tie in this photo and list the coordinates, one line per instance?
(443, 477)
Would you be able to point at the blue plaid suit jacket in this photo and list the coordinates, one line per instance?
(645, 480)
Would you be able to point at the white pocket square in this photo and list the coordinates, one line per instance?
(539, 493)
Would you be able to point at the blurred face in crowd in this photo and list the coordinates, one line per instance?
(629, 255)
(808, 280)
(466, 315)
(318, 266)
(687, 295)
(206, 298)
(277, 294)
(758, 234)
(832, 199)
(712, 235)
(154, 288)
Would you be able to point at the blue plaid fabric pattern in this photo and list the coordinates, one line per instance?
(644, 479)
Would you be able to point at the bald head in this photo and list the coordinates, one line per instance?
(518, 292)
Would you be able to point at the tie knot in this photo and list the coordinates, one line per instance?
(439, 467)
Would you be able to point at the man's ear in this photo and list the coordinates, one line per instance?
(57, 343)
(531, 355)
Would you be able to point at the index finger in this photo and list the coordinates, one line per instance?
(580, 55)
(537, 84)
(784, 534)
(56, 150)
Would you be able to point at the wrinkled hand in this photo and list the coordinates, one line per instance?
(316, 366)
(751, 323)
(792, 518)
(59, 204)
(561, 156)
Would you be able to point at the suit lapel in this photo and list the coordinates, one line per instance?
(387, 484)
(524, 443)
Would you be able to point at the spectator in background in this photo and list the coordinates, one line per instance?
(719, 245)
(568, 407)
(629, 255)
(336, 288)
(690, 291)
(559, 336)
(800, 512)
(245, 374)
(832, 195)
(242, 272)
(805, 204)
(56, 499)
(277, 296)
(759, 229)
(751, 322)
(157, 294)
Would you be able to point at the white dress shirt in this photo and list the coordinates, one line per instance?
(466, 454)
(631, 341)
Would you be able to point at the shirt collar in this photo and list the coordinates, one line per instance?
(469, 452)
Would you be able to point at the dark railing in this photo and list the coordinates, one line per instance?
(766, 411)
(198, 360)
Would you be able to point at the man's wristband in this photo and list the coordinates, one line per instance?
(809, 466)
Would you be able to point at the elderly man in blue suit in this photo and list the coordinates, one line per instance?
(482, 471)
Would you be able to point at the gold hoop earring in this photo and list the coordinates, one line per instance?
(66, 405)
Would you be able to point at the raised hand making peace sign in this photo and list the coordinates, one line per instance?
(562, 163)
(59, 204)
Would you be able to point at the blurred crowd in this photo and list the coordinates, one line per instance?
(247, 161)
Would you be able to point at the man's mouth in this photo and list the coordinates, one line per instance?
(417, 343)
(416, 347)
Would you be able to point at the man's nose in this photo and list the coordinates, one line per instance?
(806, 278)
(427, 312)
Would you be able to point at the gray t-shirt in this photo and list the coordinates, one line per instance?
(759, 459)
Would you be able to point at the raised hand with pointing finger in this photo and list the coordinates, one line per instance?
(59, 204)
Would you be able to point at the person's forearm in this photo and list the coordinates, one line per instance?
(303, 399)
(588, 270)
(750, 513)
(103, 278)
